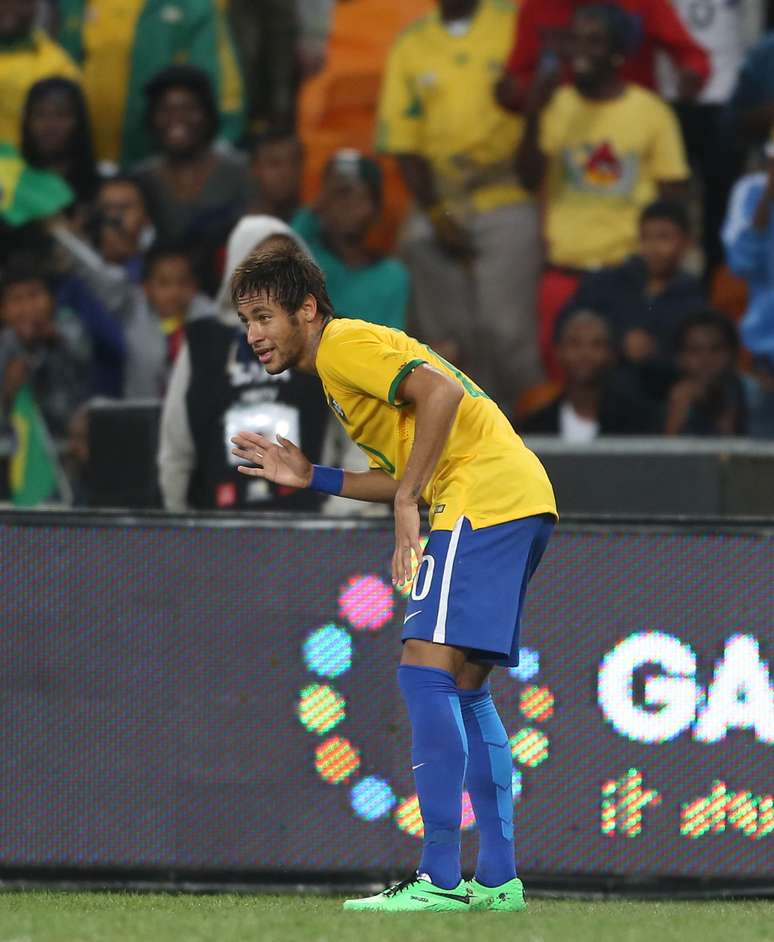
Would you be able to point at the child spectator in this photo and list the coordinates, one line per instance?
(645, 298)
(606, 149)
(196, 191)
(123, 228)
(41, 344)
(152, 316)
(56, 136)
(100, 276)
(709, 396)
(155, 328)
(276, 167)
(336, 230)
(595, 399)
(27, 54)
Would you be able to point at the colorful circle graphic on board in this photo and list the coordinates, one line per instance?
(328, 651)
(367, 603)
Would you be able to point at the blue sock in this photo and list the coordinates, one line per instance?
(438, 756)
(488, 780)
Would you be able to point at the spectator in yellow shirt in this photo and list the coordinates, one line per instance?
(26, 56)
(472, 246)
(605, 149)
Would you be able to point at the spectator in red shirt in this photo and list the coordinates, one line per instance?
(542, 41)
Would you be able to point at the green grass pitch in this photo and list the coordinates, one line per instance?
(154, 917)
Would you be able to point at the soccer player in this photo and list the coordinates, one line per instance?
(432, 436)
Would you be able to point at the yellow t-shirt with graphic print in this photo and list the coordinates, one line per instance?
(485, 471)
(606, 159)
(438, 100)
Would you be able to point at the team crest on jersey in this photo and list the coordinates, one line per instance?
(337, 409)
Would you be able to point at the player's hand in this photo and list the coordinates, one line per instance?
(283, 463)
(406, 540)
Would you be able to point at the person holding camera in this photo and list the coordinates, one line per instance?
(121, 227)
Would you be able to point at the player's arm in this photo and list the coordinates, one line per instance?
(374, 485)
(436, 398)
(284, 463)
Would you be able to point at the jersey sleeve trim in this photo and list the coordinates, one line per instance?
(402, 374)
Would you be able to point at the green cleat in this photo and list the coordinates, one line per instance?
(417, 894)
(506, 898)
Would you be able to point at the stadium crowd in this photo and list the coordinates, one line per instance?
(570, 201)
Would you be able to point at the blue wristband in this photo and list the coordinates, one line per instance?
(327, 480)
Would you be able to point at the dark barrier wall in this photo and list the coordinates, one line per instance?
(219, 696)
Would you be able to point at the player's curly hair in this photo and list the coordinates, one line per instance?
(286, 275)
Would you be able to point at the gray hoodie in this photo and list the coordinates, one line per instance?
(177, 456)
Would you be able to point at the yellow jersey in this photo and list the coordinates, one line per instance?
(485, 472)
(21, 65)
(438, 100)
(606, 159)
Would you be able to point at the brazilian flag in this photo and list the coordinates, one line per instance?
(27, 194)
(33, 470)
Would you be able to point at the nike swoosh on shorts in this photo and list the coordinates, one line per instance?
(412, 615)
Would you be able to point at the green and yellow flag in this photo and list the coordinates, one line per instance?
(33, 478)
(26, 193)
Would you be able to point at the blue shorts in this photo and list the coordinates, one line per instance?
(470, 589)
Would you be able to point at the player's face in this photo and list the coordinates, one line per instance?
(275, 336)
